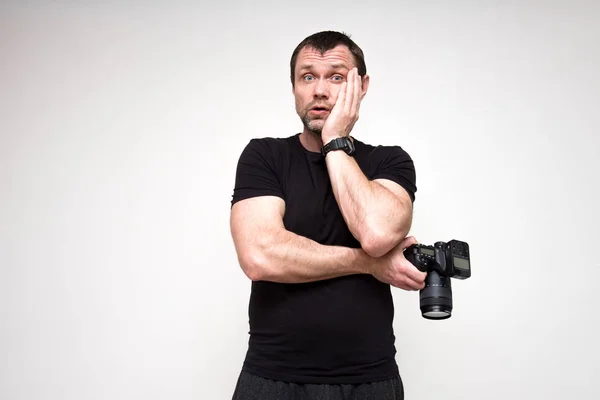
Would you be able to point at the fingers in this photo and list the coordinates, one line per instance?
(344, 113)
(408, 284)
(402, 281)
(407, 268)
(357, 93)
(353, 93)
(407, 242)
(341, 99)
(407, 276)
(412, 273)
(349, 95)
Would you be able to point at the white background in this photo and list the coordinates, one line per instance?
(120, 128)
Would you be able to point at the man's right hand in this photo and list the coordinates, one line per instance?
(394, 269)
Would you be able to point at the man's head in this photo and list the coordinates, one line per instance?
(319, 64)
(327, 40)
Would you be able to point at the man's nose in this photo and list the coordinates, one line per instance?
(321, 88)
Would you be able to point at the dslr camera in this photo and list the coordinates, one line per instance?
(441, 261)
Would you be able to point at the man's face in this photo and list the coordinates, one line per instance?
(318, 78)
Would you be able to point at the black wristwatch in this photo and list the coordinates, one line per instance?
(339, 144)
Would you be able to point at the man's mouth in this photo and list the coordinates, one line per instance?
(319, 109)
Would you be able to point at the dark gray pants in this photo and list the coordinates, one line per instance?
(251, 387)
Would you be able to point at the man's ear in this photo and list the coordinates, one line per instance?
(365, 85)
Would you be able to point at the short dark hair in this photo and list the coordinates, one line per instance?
(327, 40)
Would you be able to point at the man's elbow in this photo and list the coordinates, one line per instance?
(377, 246)
(253, 263)
(377, 242)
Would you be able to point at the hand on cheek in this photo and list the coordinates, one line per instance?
(344, 114)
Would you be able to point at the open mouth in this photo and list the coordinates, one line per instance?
(319, 109)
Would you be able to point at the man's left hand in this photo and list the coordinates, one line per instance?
(345, 111)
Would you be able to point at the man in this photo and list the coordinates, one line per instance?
(319, 220)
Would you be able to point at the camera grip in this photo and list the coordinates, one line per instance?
(412, 255)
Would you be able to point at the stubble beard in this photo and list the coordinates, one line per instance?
(309, 124)
(314, 126)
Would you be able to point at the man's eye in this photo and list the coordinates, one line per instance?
(308, 77)
(338, 78)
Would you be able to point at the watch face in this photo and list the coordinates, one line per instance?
(344, 144)
(351, 147)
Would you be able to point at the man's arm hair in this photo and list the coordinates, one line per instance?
(267, 251)
(378, 212)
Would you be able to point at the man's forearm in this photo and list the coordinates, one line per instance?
(286, 257)
(374, 215)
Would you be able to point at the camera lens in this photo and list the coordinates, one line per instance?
(437, 312)
(436, 297)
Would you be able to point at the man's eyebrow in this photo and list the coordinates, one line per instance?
(339, 66)
(333, 66)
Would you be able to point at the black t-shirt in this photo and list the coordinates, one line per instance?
(331, 331)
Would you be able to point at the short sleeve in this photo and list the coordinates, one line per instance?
(256, 173)
(397, 166)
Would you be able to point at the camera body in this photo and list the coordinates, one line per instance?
(441, 261)
(447, 259)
